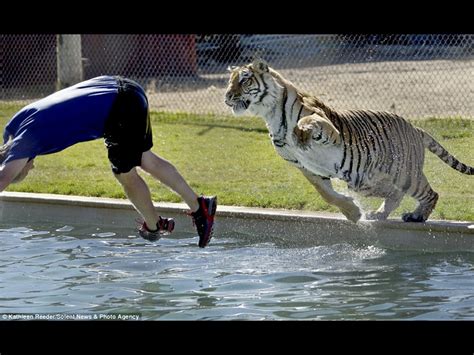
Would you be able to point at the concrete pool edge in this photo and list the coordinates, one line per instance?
(287, 227)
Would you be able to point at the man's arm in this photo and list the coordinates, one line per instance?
(10, 170)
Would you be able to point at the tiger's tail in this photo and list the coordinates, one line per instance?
(434, 147)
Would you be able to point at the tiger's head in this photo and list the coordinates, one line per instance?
(251, 88)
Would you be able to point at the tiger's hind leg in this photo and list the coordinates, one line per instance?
(390, 203)
(426, 197)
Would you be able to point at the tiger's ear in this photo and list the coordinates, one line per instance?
(231, 68)
(259, 65)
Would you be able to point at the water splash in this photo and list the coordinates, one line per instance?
(103, 235)
(66, 228)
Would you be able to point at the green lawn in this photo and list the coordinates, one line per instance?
(233, 158)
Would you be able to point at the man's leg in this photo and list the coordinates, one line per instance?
(138, 193)
(166, 173)
(203, 208)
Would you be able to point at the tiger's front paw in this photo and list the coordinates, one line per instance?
(303, 133)
(353, 214)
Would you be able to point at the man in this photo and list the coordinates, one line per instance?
(116, 109)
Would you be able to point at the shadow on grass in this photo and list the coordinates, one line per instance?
(207, 127)
(210, 127)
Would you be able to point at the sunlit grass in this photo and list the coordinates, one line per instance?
(234, 159)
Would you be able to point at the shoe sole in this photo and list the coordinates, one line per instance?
(211, 210)
(212, 207)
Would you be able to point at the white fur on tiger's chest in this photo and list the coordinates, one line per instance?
(318, 158)
(321, 159)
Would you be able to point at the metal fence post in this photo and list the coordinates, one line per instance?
(69, 60)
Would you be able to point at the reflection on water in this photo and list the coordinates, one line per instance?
(57, 268)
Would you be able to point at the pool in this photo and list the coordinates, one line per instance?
(82, 272)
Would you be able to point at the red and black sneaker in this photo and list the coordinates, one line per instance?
(164, 226)
(203, 219)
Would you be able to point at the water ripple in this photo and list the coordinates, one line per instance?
(61, 268)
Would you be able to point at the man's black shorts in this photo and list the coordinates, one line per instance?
(127, 130)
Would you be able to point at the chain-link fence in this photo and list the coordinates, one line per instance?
(413, 75)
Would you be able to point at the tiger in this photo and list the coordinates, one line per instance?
(377, 153)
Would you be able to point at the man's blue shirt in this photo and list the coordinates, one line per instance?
(69, 116)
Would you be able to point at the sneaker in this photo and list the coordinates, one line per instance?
(203, 219)
(164, 227)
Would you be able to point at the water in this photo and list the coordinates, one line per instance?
(86, 270)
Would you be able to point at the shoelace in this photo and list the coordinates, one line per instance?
(165, 225)
(162, 225)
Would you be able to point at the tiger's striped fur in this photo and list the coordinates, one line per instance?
(377, 153)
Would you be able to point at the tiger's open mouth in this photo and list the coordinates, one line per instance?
(240, 105)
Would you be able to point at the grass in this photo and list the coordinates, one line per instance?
(233, 158)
